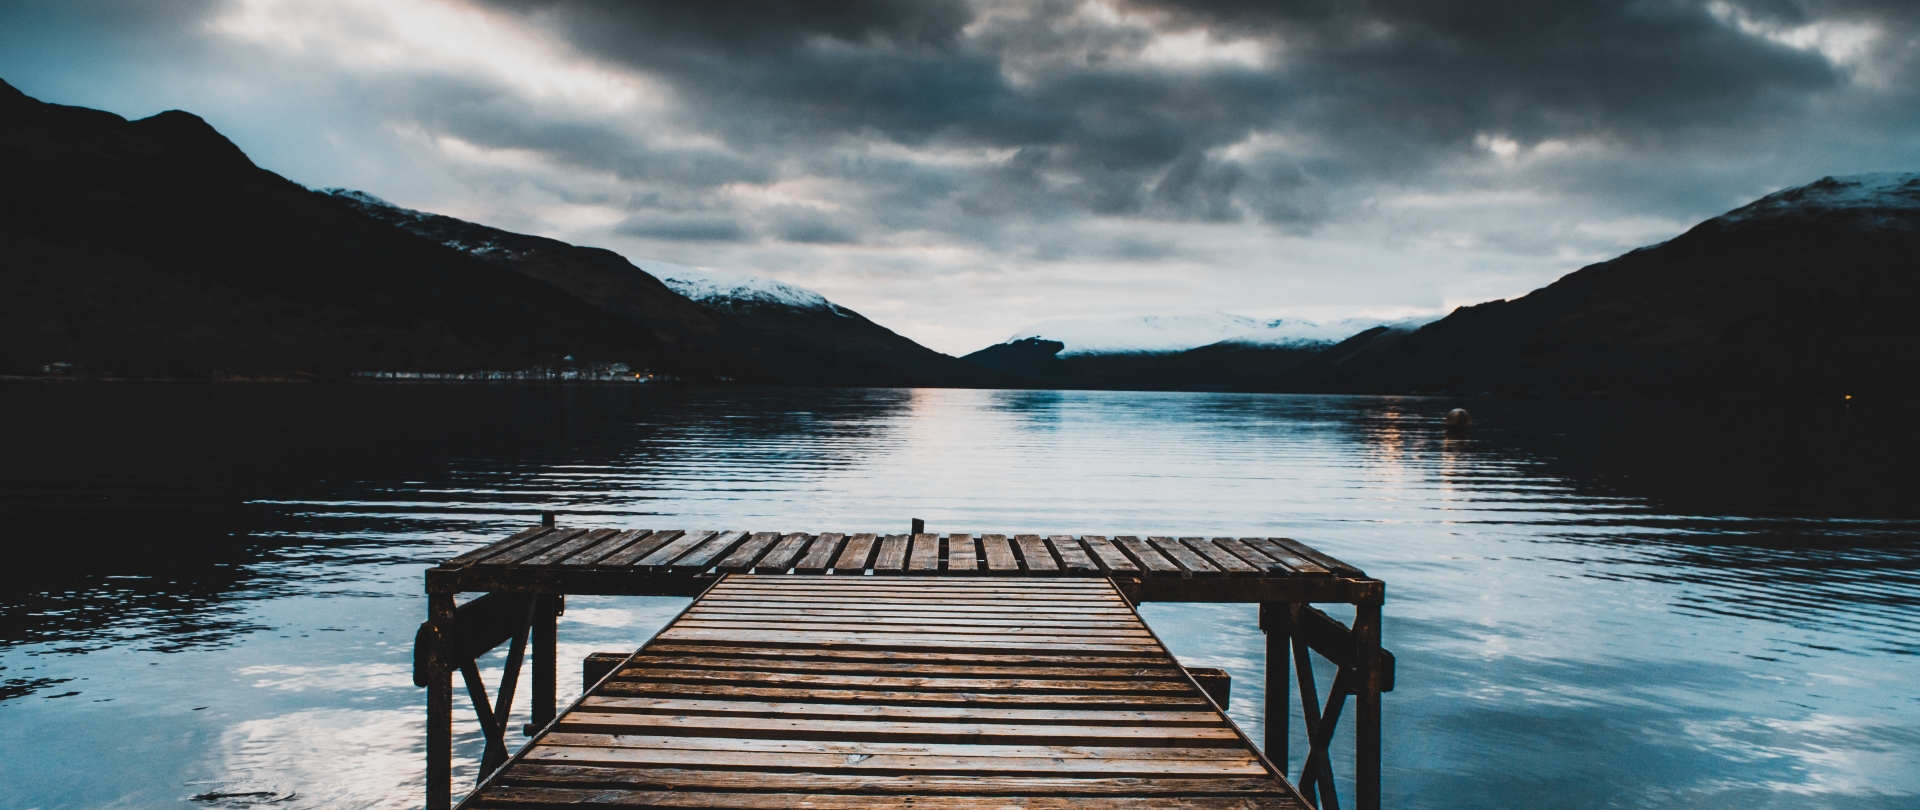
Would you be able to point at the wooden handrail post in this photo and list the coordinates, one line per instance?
(439, 705)
(1366, 707)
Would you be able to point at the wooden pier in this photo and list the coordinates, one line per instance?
(858, 670)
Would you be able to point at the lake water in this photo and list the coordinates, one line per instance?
(211, 590)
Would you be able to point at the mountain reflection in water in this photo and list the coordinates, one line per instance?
(1596, 602)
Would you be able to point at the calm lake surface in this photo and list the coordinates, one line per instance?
(211, 590)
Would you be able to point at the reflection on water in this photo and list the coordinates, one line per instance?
(1594, 602)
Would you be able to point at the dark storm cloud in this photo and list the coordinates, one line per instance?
(1356, 93)
(982, 120)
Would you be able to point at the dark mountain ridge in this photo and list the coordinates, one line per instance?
(1812, 290)
(822, 345)
(157, 248)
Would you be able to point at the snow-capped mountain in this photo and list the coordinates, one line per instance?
(1883, 196)
(767, 328)
(736, 290)
(1177, 333)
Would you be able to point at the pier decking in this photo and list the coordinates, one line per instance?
(836, 670)
(878, 691)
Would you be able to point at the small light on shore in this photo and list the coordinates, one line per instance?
(1849, 396)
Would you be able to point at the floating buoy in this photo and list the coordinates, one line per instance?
(1458, 420)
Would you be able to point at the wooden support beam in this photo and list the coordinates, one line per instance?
(1277, 620)
(1309, 709)
(470, 630)
(1366, 707)
(439, 683)
(546, 642)
(1318, 768)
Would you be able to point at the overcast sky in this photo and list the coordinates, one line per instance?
(957, 170)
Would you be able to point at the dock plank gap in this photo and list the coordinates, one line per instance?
(859, 670)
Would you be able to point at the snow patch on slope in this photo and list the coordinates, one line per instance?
(415, 221)
(1177, 333)
(366, 200)
(734, 289)
(1884, 190)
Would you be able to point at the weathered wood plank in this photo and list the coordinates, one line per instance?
(820, 555)
(1218, 757)
(883, 601)
(857, 555)
(1317, 556)
(1286, 557)
(1109, 557)
(1073, 558)
(1222, 558)
(927, 619)
(1035, 553)
(532, 548)
(985, 583)
(529, 797)
(743, 558)
(925, 557)
(912, 609)
(825, 711)
(1163, 672)
(887, 599)
(892, 557)
(665, 647)
(941, 641)
(580, 542)
(998, 630)
(702, 557)
(490, 549)
(1151, 562)
(606, 548)
(963, 553)
(878, 780)
(1192, 564)
(662, 558)
(812, 587)
(780, 558)
(789, 728)
(999, 554)
(766, 678)
(640, 550)
(744, 691)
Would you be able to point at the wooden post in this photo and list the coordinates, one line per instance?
(546, 518)
(546, 642)
(1366, 707)
(439, 705)
(919, 526)
(1277, 621)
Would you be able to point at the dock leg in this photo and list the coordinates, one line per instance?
(1277, 620)
(439, 709)
(546, 642)
(1366, 708)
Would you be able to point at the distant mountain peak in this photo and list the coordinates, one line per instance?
(735, 290)
(190, 136)
(1876, 193)
(1149, 334)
